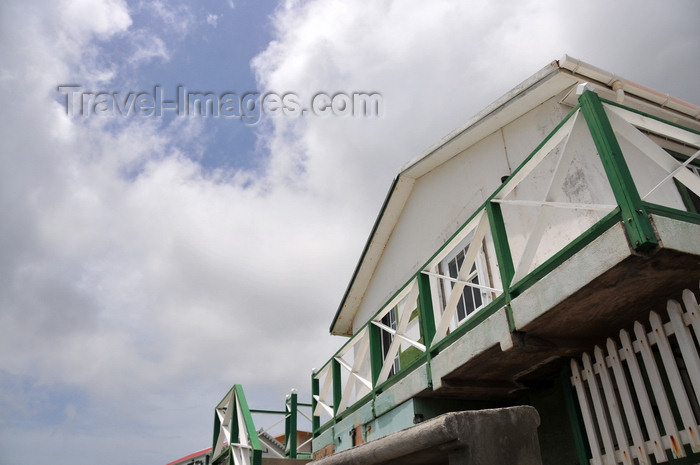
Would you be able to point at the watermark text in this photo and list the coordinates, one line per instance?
(248, 107)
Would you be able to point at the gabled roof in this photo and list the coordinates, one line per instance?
(552, 80)
(275, 447)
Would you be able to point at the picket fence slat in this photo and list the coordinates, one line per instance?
(627, 403)
(632, 377)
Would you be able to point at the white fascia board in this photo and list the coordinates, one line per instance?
(583, 69)
(383, 227)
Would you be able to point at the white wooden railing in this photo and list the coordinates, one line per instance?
(354, 360)
(235, 439)
(638, 387)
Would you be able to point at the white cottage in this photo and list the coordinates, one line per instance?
(528, 294)
(547, 254)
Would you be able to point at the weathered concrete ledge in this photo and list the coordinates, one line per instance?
(281, 461)
(479, 437)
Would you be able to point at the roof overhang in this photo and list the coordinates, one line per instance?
(559, 78)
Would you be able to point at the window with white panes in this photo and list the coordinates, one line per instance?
(474, 296)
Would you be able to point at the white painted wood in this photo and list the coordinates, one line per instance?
(410, 341)
(555, 183)
(686, 344)
(384, 327)
(469, 258)
(354, 370)
(586, 413)
(674, 378)
(653, 125)
(653, 152)
(589, 376)
(569, 205)
(325, 386)
(613, 408)
(404, 319)
(320, 404)
(672, 439)
(620, 380)
(466, 283)
(361, 358)
(628, 354)
(456, 240)
(242, 456)
(673, 173)
(556, 138)
(655, 370)
(692, 315)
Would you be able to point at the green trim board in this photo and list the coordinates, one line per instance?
(337, 385)
(688, 217)
(637, 225)
(574, 410)
(315, 391)
(290, 436)
(239, 403)
(375, 352)
(425, 306)
(503, 254)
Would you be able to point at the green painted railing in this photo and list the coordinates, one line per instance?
(379, 354)
(236, 440)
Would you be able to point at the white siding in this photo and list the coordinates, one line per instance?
(447, 196)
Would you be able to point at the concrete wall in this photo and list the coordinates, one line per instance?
(483, 437)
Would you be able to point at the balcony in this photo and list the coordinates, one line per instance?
(594, 228)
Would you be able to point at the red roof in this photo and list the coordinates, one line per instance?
(191, 456)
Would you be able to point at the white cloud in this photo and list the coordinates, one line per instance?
(212, 19)
(133, 275)
(146, 46)
(174, 15)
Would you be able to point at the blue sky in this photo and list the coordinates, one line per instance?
(147, 264)
(206, 48)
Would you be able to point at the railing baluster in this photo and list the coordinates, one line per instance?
(627, 403)
(642, 397)
(589, 375)
(587, 413)
(613, 408)
(674, 438)
(674, 378)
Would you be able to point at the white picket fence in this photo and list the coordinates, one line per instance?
(634, 390)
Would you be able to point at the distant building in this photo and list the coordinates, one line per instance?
(203, 457)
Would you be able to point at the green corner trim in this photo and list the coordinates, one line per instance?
(576, 420)
(337, 385)
(425, 304)
(375, 352)
(640, 231)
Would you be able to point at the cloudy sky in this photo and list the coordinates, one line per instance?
(149, 262)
